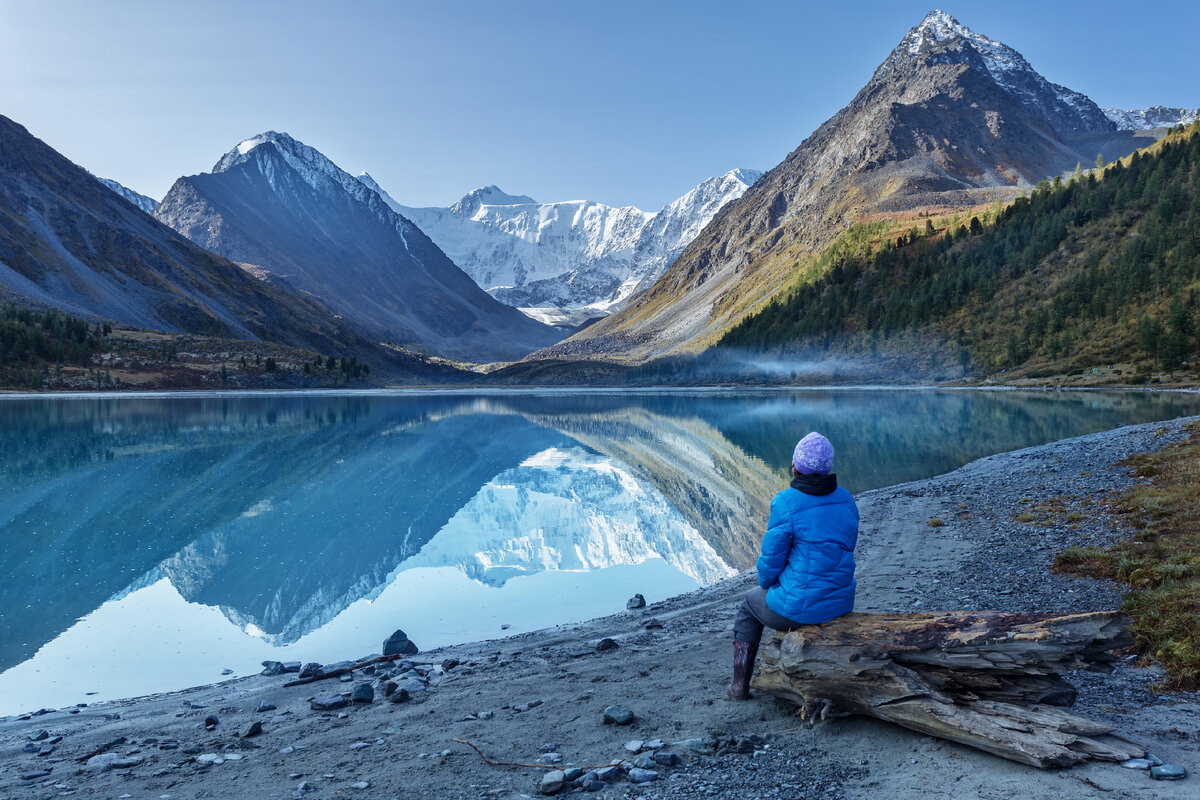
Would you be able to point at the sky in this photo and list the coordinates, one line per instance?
(628, 103)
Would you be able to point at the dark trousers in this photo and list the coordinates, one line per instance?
(754, 615)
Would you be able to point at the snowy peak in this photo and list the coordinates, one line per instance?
(143, 202)
(1142, 119)
(940, 39)
(471, 202)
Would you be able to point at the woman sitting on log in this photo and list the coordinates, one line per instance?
(806, 570)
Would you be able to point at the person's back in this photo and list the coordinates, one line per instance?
(806, 570)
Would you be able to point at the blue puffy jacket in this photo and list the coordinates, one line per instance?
(807, 561)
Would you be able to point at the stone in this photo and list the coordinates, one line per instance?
(107, 761)
(329, 702)
(635, 746)
(1168, 772)
(666, 758)
(449, 664)
(265, 706)
(291, 666)
(635, 602)
(637, 775)
(1138, 763)
(359, 745)
(410, 685)
(35, 775)
(655, 744)
(645, 761)
(552, 782)
(609, 774)
(363, 693)
(286, 751)
(550, 758)
(39, 736)
(45, 751)
(233, 756)
(696, 745)
(227, 671)
(389, 687)
(572, 774)
(272, 668)
(208, 759)
(253, 729)
(588, 783)
(32, 747)
(211, 722)
(652, 624)
(310, 670)
(617, 715)
(360, 785)
(486, 714)
(605, 644)
(400, 696)
(398, 644)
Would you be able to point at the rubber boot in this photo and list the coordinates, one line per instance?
(743, 668)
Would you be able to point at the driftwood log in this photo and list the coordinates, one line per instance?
(987, 679)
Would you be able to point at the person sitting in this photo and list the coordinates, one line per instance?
(806, 570)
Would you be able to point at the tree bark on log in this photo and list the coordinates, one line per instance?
(988, 679)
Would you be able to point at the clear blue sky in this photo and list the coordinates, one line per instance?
(618, 101)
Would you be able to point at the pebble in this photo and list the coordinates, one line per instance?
(645, 761)
(363, 693)
(637, 775)
(209, 759)
(696, 745)
(666, 758)
(609, 774)
(211, 722)
(39, 736)
(449, 664)
(635, 746)
(227, 671)
(652, 624)
(253, 729)
(655, 744)
(486, 714)
(617, 715)
(1138, 763)
(265, 706)
(107, 761)
(550, 758)
(605, 644)
(287, 751)
(635, 602)
(552, 782)
(359, 745)
(399, 696)
(233, 756)
(1168, 772)
(35, 775)
(360, 785)
(572, 774)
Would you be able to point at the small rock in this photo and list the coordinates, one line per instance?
(696, 745)
(32, 747)
(550, 758)
(398, 644)
(548, 748)
(609, 774)
(637, 775)
(107, 761)
(486, 714)
(1168, 772)
(363, 693)
(360, 785)
(605, 644)
(652, 624)
(399, 696)
(635, 746)
(655, 744)
(505, 626)
(287, 751)
(359, 745)
(449, 664)
(666, 758)
(552, 782)
(211, 722)
(1138, 763)
(253, 729)
(227, 671)
(572, 774)
(635, 602)
(272, 668)
(617, 715)
(234, 756)
(209, 759)
(645, 761)
(310, 670)
(39, 736)
(590, 783)
(329, 702)
(265, 706)
(35, 774)
(45, 751)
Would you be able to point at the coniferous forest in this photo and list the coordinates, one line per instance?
(1097, 269)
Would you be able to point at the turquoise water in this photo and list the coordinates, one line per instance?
(151, 542)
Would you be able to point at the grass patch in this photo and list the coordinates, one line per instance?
(936, 522)
(1160, 560)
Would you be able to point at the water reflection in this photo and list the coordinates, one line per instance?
(317, 524)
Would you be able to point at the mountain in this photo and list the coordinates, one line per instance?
(568, 260)
(1141, 119)
(950, 117)
(146, 204)
(67, 241)
(291, 216)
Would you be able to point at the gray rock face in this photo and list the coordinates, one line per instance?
(399, 644)
(618, 715)
(552, 782)
(297, 220)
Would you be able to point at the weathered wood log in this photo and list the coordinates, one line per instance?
(986, 679)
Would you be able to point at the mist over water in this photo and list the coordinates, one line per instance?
(151, 542)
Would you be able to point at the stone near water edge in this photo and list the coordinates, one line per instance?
(552, 782)
(32, 747)
(398, 644)
(652, 624)
(310, 670)
(609, 774)
(591, 784)
(291, 666)
(411, 685)
(265, 706)
(1168, 772)
(272, 668)
(363, 693)
(550, 758)
(400, 696)
(617, 715)
(637, 775)
(666, 758)
(389, 686)
(211, 722)
(227, 671)
(572, 774)
(253, 729)
(329, 702)
(107, 761)
(39, 736)
(606, 644)
(45, 751)
(635, 745)
(209, 759)
(1138, 763)
(449, 664)
(36, 774)
(636, 602)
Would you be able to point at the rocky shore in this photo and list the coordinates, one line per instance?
(645, 686)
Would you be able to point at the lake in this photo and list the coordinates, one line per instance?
(151, 542)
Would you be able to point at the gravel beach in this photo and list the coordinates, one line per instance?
(541, 698)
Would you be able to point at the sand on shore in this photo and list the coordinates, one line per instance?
(548, 689)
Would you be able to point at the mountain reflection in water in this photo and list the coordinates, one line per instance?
(313, 525)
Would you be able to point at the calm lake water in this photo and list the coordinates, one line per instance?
(151, 542)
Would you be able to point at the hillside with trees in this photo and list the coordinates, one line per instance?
(1099, 272)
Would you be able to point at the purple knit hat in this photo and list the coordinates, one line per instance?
(813, 455)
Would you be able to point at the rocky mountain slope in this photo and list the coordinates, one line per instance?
(1140, 119)
(68, 242)
(568, 260)
(292, 217)
(950, 117)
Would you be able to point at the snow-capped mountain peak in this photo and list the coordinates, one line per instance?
(1141, 119)
(143, 202)
(472, 201)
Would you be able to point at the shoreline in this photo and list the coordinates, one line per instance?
(550, 687)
